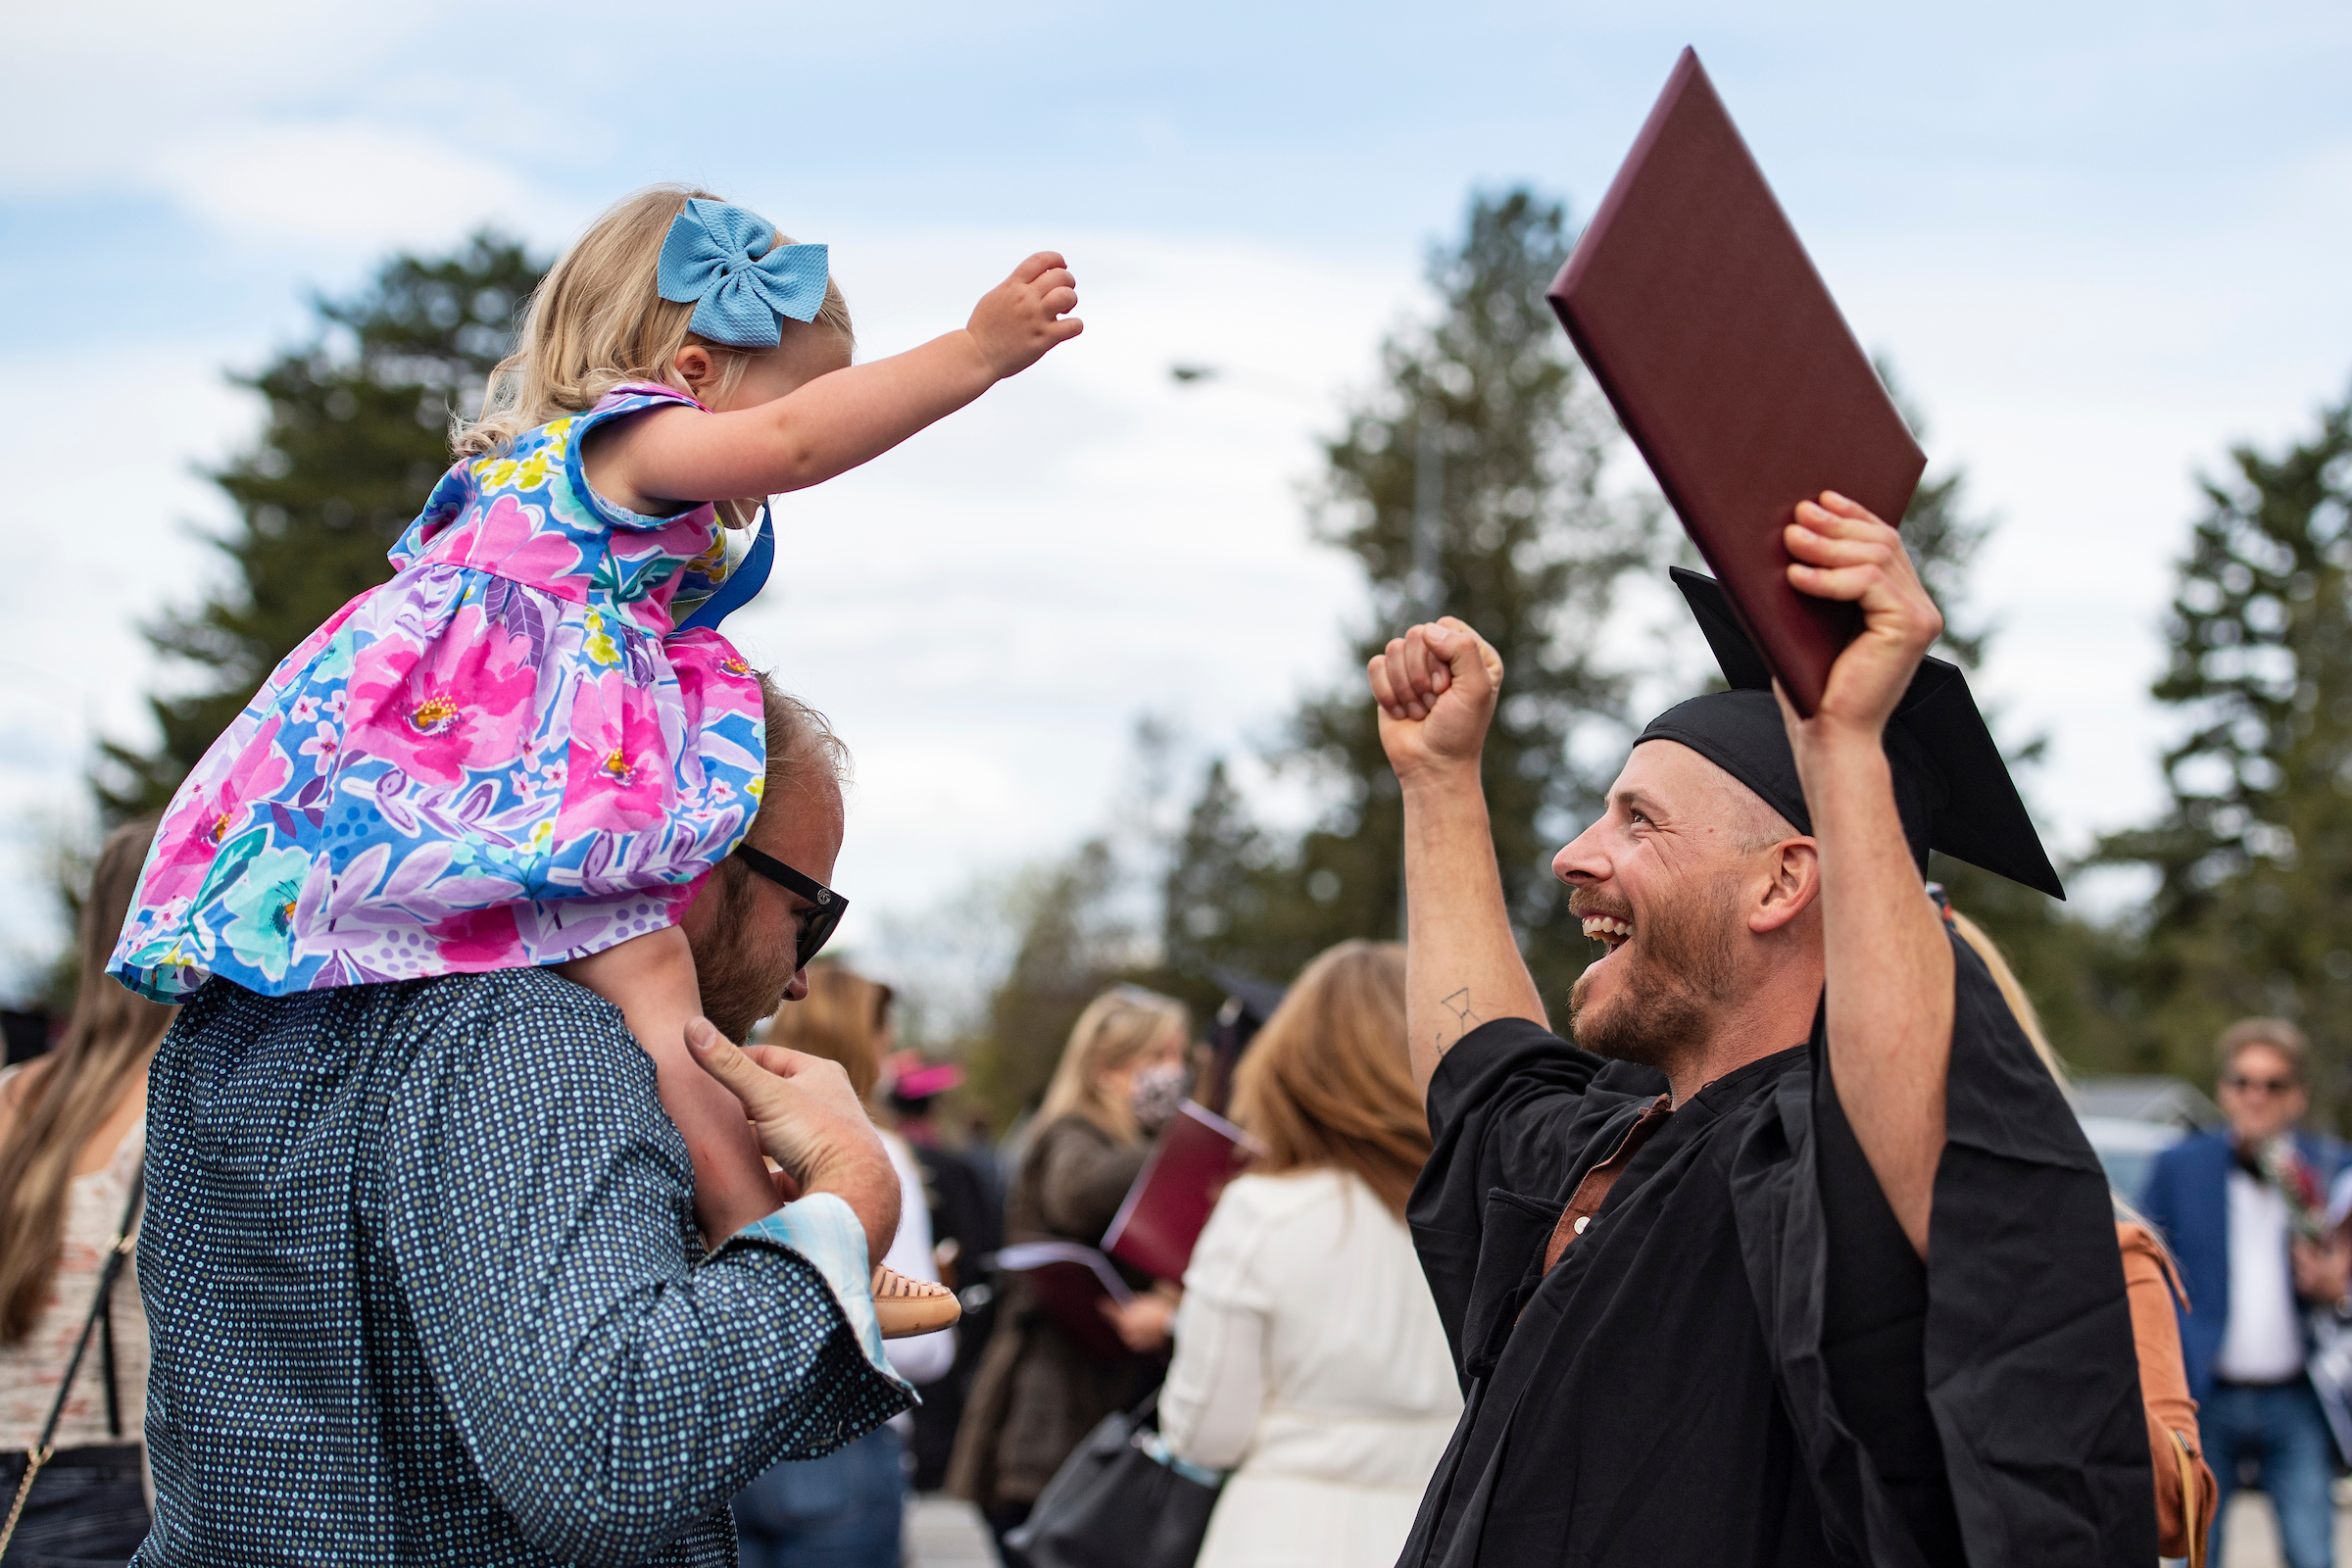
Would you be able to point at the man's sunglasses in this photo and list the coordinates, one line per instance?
(2266, 1086)
(827, 905)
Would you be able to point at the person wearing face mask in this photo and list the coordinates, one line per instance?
(1037, 1393)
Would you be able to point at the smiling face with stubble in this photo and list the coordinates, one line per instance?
(1659, 881)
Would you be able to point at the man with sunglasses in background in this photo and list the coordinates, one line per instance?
(420, 1262)
(2245, 1208)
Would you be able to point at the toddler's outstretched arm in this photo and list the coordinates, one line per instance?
(651, 980)
(837, 421)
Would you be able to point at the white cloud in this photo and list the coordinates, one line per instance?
(101, 516)
(89, 91)
(349, 185)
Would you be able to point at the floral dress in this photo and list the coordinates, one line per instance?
(503, 757)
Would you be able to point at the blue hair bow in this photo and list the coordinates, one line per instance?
(717, 257)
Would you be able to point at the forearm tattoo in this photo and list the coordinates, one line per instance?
(1464, 1017)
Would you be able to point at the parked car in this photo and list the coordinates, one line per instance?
(2128, 1149)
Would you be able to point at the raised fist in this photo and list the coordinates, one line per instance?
(1436, 686)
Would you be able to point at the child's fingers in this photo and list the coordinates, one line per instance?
(1037, 265)
(1060, 301)
(1055, 278)
(1062, 328)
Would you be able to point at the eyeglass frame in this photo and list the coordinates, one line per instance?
(826, 906)
(2240, 1082)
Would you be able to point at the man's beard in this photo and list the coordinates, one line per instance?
(740, 983)
(1682, 975)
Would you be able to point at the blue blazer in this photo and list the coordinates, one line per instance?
(2188, 1200)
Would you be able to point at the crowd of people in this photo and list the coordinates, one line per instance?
(1301, 1357)
(458, 1151)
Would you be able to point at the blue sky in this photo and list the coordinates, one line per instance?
(2099, 242)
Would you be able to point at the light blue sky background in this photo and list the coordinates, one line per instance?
(2099, 242)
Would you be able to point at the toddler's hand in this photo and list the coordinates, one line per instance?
(1020, 318)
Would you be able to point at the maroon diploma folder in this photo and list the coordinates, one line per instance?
(1072, 1283)
(1693, 303)
(1165, 1209)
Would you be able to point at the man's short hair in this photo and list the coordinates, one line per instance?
(803, 755)
(801, 747)
(2276, 1033)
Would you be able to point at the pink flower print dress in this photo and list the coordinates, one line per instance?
(501, 756)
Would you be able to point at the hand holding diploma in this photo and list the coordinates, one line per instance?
(1838, 550)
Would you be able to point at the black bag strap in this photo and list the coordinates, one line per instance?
(106, 1368)
(125, 1237)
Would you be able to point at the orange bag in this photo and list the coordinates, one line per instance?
(2184, 1488)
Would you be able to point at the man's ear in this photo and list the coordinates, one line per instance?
(1792, 881)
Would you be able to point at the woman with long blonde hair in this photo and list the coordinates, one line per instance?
(72, 1139)
(1311, 1359)
(1037, 1393)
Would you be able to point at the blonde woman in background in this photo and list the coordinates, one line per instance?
(2151, 1285)
(1037, 1393)
(1309, 1356)
(73, 1129)
(846, 1510)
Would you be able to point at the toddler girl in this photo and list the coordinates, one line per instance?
(507, 755)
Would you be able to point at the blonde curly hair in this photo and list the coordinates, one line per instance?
(597, 321)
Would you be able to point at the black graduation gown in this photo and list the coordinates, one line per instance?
(1669, 1392)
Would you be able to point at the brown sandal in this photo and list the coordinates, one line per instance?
(907, 1306)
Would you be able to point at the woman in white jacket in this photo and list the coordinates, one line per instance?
(1309, 1357)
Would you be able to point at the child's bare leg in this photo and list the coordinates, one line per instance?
(651, 979)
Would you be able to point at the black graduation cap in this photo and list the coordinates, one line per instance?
(1952, 788)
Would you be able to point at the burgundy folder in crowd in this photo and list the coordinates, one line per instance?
(1074, 1283)
(1693, 303)
(1165, 1209)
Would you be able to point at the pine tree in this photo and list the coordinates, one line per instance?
(2252, 910)
(1073, 944)
(1488, 409)
(357, 434)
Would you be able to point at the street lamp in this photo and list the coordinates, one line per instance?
(1425, 586)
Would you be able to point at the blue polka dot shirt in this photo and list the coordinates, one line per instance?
(424, 1287)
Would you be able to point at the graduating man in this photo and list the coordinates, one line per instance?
(1796, 1255)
